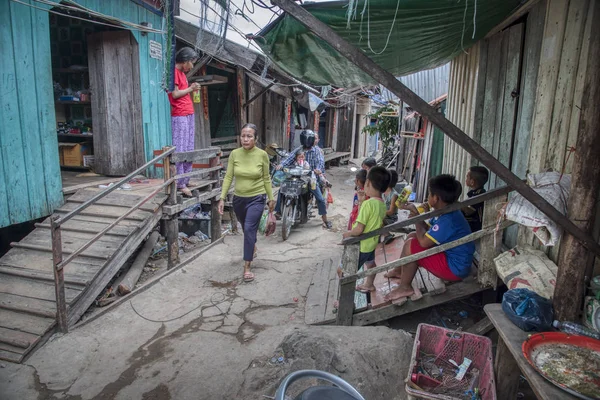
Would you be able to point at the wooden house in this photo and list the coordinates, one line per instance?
(80, 78)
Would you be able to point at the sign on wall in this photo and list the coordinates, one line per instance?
(155, 50)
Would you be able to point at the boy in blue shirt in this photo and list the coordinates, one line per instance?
(450, 265)
(370, 218)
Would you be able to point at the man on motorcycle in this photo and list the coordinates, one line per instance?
(315, 159)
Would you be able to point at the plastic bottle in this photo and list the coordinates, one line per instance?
(575, 329)
(196, 96)
(403, 196)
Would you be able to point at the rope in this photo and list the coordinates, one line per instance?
(369, 28)
(474, 20)
(462, 37)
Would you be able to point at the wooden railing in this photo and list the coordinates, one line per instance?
(169, 185)
(490, 236)
(57, 221)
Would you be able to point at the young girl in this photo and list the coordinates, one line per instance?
(389, 197)
(359, 196)
(301, 160)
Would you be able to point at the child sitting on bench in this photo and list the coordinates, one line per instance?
(451, 265)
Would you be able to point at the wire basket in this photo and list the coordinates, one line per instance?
(431, 374)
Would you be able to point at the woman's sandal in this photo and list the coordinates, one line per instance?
(413, 297)
(248, 277)
(186, 192)
(327, 225)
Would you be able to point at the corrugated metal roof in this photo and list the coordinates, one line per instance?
(429, 84)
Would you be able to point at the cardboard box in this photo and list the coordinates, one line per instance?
(71, 154)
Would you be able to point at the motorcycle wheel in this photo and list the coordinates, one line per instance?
(287, 220)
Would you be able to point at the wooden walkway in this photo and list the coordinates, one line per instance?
(321, 302)
(27, 294)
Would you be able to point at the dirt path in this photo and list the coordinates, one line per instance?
(201, 333)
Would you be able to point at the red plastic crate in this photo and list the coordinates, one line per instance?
(442, 345)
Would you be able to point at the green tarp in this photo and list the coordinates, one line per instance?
(422, 34)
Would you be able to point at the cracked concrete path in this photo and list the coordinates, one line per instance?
(201, 333)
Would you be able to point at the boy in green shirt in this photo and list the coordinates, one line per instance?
(370, 218)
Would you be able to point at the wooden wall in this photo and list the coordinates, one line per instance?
(345, 123)
(268, 113)
(30, 182)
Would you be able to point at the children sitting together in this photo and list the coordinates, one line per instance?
(374, 206)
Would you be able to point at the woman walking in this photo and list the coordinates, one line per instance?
(182, 113)
(250, 167)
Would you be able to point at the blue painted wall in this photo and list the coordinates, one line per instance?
(30, 182)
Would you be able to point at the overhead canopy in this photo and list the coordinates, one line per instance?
(403, 36)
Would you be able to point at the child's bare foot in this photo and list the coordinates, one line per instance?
(399, 293)
(365, 288)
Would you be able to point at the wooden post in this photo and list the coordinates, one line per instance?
(346, 301)
(585, 180)
(507, 372)
(215, 217)
(172, 234)
(59, 277)
(491, 245)
(358, 58)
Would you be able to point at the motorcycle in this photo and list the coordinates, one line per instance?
(296, 204)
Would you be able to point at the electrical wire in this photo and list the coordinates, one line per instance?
(212, 301)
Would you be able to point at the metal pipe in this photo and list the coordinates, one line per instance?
(110, 189)
(121, 218)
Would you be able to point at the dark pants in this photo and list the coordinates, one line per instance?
(248, 211)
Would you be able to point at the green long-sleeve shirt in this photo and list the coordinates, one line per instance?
(251, 171)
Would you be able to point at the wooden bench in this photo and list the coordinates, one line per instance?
(335, 156)
(510, 362)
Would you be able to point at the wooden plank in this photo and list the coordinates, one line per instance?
(76, 188)
(104, 211)
(80, 224)
(507, 372)
(17, 338)
(383, 77)
(35, 289)
(490, 245)
(455, 291)
(43, 308)
(349, 265)
(482, 327)
(174, 209)
(582, 203)
(318, 293)
(48, 248)
(514, 337)
(81, 230)
(71, 278)
(224, 139)
(23, 322)
(196, 155)
(10, 356)
(110, 269)
(42, 261)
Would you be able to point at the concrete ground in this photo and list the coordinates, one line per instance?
(201, 333)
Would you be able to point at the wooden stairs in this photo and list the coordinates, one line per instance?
(27, 293)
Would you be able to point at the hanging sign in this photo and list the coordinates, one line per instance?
(204, 96)
(155, 50)
(289, 120)
(316, 118)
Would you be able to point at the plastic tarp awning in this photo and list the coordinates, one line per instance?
(402, 36)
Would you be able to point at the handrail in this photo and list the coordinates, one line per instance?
(112, 188)
(419, 218)
(426, 253)
(77, 252)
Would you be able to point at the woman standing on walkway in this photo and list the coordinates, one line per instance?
(250, 167)
(182, 112)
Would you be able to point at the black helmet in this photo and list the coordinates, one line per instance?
(307, 138)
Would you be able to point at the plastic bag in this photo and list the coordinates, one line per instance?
(528, 310)
(262, 225)
(329, 197)
(278, 178)
(271, 224)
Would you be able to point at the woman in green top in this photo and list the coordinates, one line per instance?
(250, 167)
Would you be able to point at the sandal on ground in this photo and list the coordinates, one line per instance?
(186, 192)
(327, 225)
(248, 276)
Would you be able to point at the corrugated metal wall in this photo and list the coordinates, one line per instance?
(429, 84)
(460, 109)
(30, 182)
